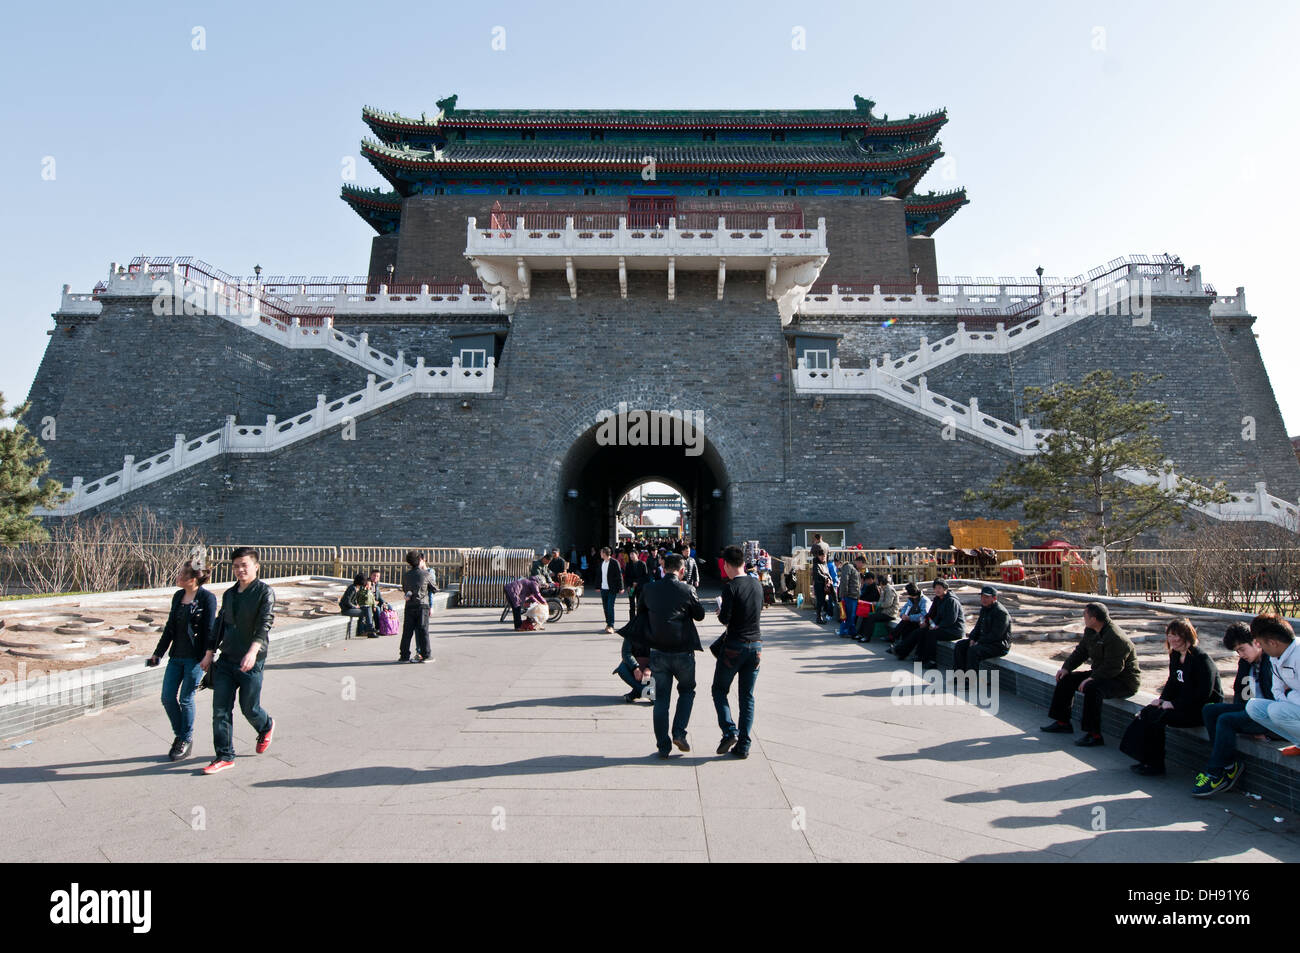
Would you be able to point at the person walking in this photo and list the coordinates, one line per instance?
(611, 584)
(419, 584)
(242, 633)
(739, 651)
(673, 610)
(187, 632)
(635, 576)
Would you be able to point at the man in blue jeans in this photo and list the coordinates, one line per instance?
(610, 575)
(242, 632)
(673, 610)
(1225, 720)
(740, 649)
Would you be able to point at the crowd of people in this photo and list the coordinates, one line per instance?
(1266, 690)
(660, 640)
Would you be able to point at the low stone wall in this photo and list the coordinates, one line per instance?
(1268, 773)
(38, 703)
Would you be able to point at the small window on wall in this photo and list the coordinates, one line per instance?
(817, 360)
(512, 190)
(473, 357)
(834, 538)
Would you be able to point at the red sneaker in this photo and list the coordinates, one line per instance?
(264, 739)
(218, 765)
(1290, 751)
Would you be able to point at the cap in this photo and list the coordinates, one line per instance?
(989, 591)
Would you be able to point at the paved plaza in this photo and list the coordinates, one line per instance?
(519, 747)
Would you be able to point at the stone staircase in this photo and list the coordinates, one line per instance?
(275, 434)
(1020, 438)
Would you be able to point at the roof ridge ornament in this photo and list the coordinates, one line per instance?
(866, 105)
(447, 106)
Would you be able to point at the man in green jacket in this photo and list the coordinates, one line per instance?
(1114, 674)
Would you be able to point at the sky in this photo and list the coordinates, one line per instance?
(1082, 131)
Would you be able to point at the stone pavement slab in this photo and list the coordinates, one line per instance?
(519, 747)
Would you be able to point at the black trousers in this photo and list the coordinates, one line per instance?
(415, 621)
(968, 655)
(867, 624)
(901, 631)
(925, 642)
(1144, 740)
(633, 597)
(1097, 690)
(820, 586)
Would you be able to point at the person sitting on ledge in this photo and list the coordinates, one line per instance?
(913, 613)
(1282, 715)
(1114, 674)
(945, 620)
(991, 637)
(884, 608)
(1226, 720)
(1192, 684)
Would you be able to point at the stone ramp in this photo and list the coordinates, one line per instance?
(519, 747)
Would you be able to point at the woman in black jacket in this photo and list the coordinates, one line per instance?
(188, 629)
(1193, 683)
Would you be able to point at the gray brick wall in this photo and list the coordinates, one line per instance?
(141, 379)
(1203, 438)
(1277, 462)
(496, 473)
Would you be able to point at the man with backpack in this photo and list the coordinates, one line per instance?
(673, 610)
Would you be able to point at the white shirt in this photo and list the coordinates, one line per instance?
(1286, 674)
(604, 573)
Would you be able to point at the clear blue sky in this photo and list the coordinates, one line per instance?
(1083, 131)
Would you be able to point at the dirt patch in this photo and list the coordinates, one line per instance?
(35, 640)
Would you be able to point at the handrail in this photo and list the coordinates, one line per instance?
(274, 434)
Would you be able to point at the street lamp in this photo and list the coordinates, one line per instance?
(1039, 270)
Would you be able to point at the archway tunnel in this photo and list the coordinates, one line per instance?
(597, 472)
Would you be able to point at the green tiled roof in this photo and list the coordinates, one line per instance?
(539, 155)
(860, 118)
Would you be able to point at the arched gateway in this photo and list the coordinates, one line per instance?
(633, 446)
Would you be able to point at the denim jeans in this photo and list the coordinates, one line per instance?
(182, 676)
(665, 666)
(609, 598)
(226, 680)
(1224, 722)
(624, 671)
(737, 659)
(1281, 718)
(850, 616)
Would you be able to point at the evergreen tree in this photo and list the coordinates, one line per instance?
(22, 466)
(1071, 488)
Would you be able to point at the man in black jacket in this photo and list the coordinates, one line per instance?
(609, 577)
(740, 651)
(945, 621)
(991, 637)
(673, 609)
(635, 576)
(242, 633)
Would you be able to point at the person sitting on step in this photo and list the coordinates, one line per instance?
(1114, 673)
